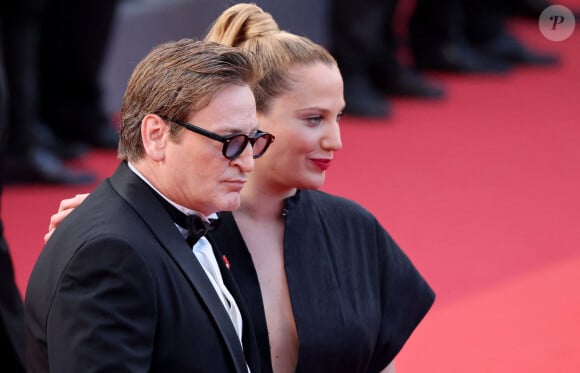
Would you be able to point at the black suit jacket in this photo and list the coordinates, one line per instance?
(116, 288)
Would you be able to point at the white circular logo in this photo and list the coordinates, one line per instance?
(557, 23)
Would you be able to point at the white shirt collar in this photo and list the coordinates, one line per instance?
(183, 209)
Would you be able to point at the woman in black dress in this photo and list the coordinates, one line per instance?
(330, 291)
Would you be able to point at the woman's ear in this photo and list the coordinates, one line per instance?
(155, 135)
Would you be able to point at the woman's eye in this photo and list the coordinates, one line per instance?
(315, 120)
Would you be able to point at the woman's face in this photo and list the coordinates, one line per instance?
(305, 121)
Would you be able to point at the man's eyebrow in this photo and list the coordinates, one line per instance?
(233, 129)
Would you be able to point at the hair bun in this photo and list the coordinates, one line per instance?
(240, 23)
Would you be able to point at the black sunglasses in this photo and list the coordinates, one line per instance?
(234, 145)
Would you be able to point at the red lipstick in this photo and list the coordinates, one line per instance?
(322, 163)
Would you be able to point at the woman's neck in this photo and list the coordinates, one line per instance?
(261, 201)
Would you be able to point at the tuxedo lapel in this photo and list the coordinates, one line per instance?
(140, 196)
(248, 336)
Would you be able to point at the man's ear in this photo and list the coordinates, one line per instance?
(155, 135)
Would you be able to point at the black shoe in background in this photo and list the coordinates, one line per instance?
(47, 139)
(41, 166)
(457, 57)
(405, 82)
(507, 48)
(362, 98)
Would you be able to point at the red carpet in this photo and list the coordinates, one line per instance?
(481, 190)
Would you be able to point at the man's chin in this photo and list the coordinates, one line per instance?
(231, 202)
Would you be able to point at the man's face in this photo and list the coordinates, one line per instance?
(197, 175)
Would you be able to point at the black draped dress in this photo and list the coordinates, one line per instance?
(355, 295)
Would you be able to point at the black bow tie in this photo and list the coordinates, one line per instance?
(196, 226)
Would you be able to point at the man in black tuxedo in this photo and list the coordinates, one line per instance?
(117, 287)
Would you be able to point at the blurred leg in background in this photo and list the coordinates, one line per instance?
(11, 311)
(33, 154)
(468, 36)
(74, 41)
(363, 42)
(487, 30)
(438, 41)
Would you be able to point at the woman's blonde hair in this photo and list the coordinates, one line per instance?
(272, 52)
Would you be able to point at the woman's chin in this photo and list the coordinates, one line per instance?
(313, 182)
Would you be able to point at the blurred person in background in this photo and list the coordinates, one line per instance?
(74, 41)
(53, 51)
(11, 313)
(468, 36)
(458, 36)
(364, 44)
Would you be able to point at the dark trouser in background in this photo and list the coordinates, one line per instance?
(11, 314)
(74, 41)
(11, 310)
